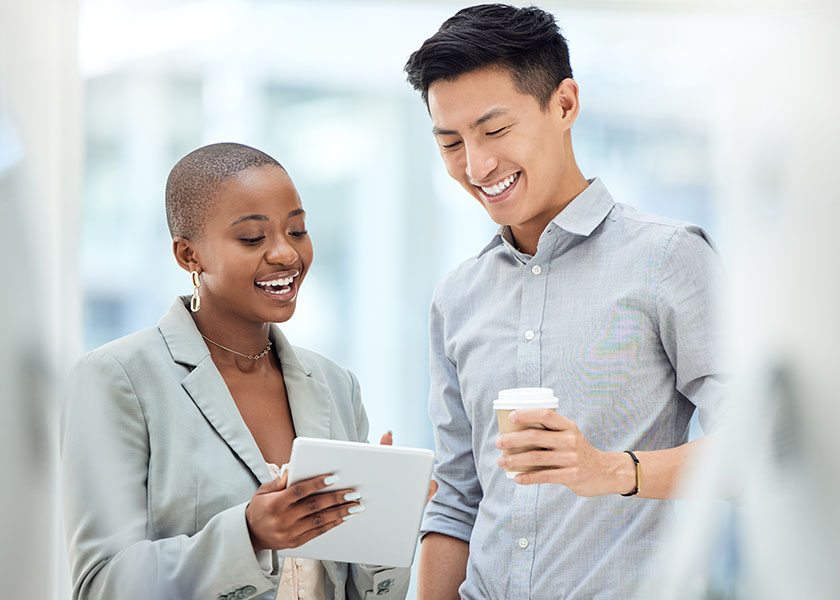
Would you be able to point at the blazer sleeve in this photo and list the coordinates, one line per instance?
(105, 457)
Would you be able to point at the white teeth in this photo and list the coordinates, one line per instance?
(284, 290)
(495, 190)
(285, 281)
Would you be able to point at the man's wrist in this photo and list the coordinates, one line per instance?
(624, 473)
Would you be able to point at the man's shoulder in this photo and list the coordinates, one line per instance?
(644, 226)
(629, 214)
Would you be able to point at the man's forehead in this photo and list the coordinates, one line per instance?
(471, 99)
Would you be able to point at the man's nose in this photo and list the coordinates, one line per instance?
(480, 162)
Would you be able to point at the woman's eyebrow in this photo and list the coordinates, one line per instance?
(296, 212)
(249, 218)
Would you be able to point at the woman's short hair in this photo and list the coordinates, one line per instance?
(193, 183)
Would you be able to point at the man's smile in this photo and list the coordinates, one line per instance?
(500, 190)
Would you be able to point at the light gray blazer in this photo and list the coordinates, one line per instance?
(158, 466)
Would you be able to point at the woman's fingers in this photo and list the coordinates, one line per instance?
(275, 485)
(307, 487)
(319, 502)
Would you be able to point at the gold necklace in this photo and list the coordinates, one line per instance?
(248, 356)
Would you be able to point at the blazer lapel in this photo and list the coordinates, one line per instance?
(310, 400)
(207, 388)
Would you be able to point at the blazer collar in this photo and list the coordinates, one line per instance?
(309, 400)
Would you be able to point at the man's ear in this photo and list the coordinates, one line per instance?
(185, 254)
(566, 100)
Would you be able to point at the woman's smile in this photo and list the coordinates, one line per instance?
(280, 286)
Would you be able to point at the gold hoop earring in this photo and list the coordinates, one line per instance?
(195, 301)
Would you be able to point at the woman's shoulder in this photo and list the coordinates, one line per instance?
(321, 366)
(126, 351)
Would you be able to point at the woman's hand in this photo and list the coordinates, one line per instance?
(281, 517)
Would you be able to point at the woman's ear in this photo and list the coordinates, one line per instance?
(185, 254)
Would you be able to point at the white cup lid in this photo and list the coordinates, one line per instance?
(526, 397)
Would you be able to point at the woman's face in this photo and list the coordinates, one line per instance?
(255, 251)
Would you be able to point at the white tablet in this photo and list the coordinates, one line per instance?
(393, 482)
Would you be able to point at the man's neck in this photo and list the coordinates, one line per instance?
(527, 235)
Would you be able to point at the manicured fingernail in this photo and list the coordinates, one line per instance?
(330, 480)
(347, 517)
(498, 442)
(352, 496)
(356, 509)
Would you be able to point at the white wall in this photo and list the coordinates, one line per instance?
(39, 180)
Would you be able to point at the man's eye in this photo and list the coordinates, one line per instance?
(254, 240)
(450, 146)
(497, 131)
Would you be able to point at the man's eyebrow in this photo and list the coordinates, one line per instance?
(249, 218)
(492, 113)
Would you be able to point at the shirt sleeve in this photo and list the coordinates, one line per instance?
(105, 457)
(453, 508)
(689, 311)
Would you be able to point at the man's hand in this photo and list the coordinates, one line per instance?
(568, 456)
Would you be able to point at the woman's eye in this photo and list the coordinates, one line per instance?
(253, 240)
(298, 233)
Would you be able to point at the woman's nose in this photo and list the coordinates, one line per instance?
(281, 252)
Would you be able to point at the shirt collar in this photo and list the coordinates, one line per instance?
(580, 217)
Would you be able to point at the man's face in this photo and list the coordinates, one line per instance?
(501, 145)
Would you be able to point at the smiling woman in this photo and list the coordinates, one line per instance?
(171, 435)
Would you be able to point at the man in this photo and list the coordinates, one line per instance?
(610, 308)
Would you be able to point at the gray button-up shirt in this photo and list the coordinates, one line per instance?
(616, 313)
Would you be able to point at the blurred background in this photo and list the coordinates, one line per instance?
(715, 112)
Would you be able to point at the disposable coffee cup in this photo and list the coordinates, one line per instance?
(514, 399)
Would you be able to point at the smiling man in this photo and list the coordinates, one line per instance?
(611, 308)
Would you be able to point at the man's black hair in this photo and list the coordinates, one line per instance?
(525, 41)
(193, 183)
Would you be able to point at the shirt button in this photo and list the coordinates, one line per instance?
(529, 335)
(301, 593)
(536, 269)
(523, 543)
(299, 562)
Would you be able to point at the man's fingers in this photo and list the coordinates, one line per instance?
(544, 476)
(534, 458)
(547, 417)
(541, 438)
(433, 486)
(387, 439)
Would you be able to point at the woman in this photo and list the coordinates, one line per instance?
(171, 436)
